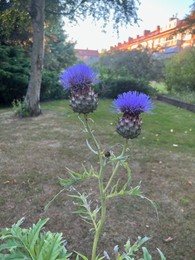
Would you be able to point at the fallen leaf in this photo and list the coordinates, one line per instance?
(169, 239)
(5, 182)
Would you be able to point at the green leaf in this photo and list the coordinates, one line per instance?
(147, 256)
(67, 183)
(53, 243)
(10, 245)
(90, 148)
(32, 244)
(82, 256)
(76, 177)
(49, 203)
(119, 158)
(100, 258)
(161, 254)
(33, 234)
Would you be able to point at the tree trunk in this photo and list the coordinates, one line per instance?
(32, 99)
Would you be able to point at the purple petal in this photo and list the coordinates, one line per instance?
(133, 102)
(78, 75)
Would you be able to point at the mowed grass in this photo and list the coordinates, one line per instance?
(34, 152)
(168, 127)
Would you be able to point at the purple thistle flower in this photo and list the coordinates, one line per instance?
(78, 76)
(133, 103)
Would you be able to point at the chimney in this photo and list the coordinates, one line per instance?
(146, 32)
(137, 36)
(158, 27)
(130, 39)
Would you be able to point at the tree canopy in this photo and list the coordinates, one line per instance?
(35, 14)
(189, 21)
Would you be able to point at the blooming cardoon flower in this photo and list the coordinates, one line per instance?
(131, 104)
(78, 79)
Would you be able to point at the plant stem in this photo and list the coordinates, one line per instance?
(102, 190)
(102, 220)
(117, 165)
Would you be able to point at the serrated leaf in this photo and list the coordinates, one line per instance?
(67, 183)
(10, 245)
(34, 232)
(53, 243)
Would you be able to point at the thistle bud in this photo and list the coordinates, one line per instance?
(83, 101)
(131, 104)
(79, 79)
(129, 126)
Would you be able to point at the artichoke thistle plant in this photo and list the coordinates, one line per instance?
(83, 100)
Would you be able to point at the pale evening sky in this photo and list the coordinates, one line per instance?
(151, 12)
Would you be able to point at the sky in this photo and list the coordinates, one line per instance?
(152, 13)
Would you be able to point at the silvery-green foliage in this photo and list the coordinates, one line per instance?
(31, 243)
(85, 210)
(131, 250)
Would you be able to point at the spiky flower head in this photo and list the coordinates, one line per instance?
(79, 79)
(78, 76)
(131, 104)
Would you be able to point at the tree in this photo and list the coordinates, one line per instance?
(14, 23)
(189, 21)
(32, 99)
(121, 12)
(180, 71)
(134, 63)
(59, 52)
(188, 24)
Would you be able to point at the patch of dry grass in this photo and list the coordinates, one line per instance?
(34, 152)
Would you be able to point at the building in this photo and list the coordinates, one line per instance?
(162, 42)
(88, 56)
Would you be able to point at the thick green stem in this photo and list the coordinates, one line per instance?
(102, 191)
(102, 220)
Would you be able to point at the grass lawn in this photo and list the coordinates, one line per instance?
(34, 152)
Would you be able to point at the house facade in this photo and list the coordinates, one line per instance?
(162, 42)
(87, 56)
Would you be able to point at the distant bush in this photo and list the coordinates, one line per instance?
(112, 87)
(128, 63)
(156, 72)
(180, 71)
(122, 71)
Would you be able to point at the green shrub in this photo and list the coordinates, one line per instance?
(112, 87)
(180, 71)
(20, 108)
(14, 73)
(51, 88)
